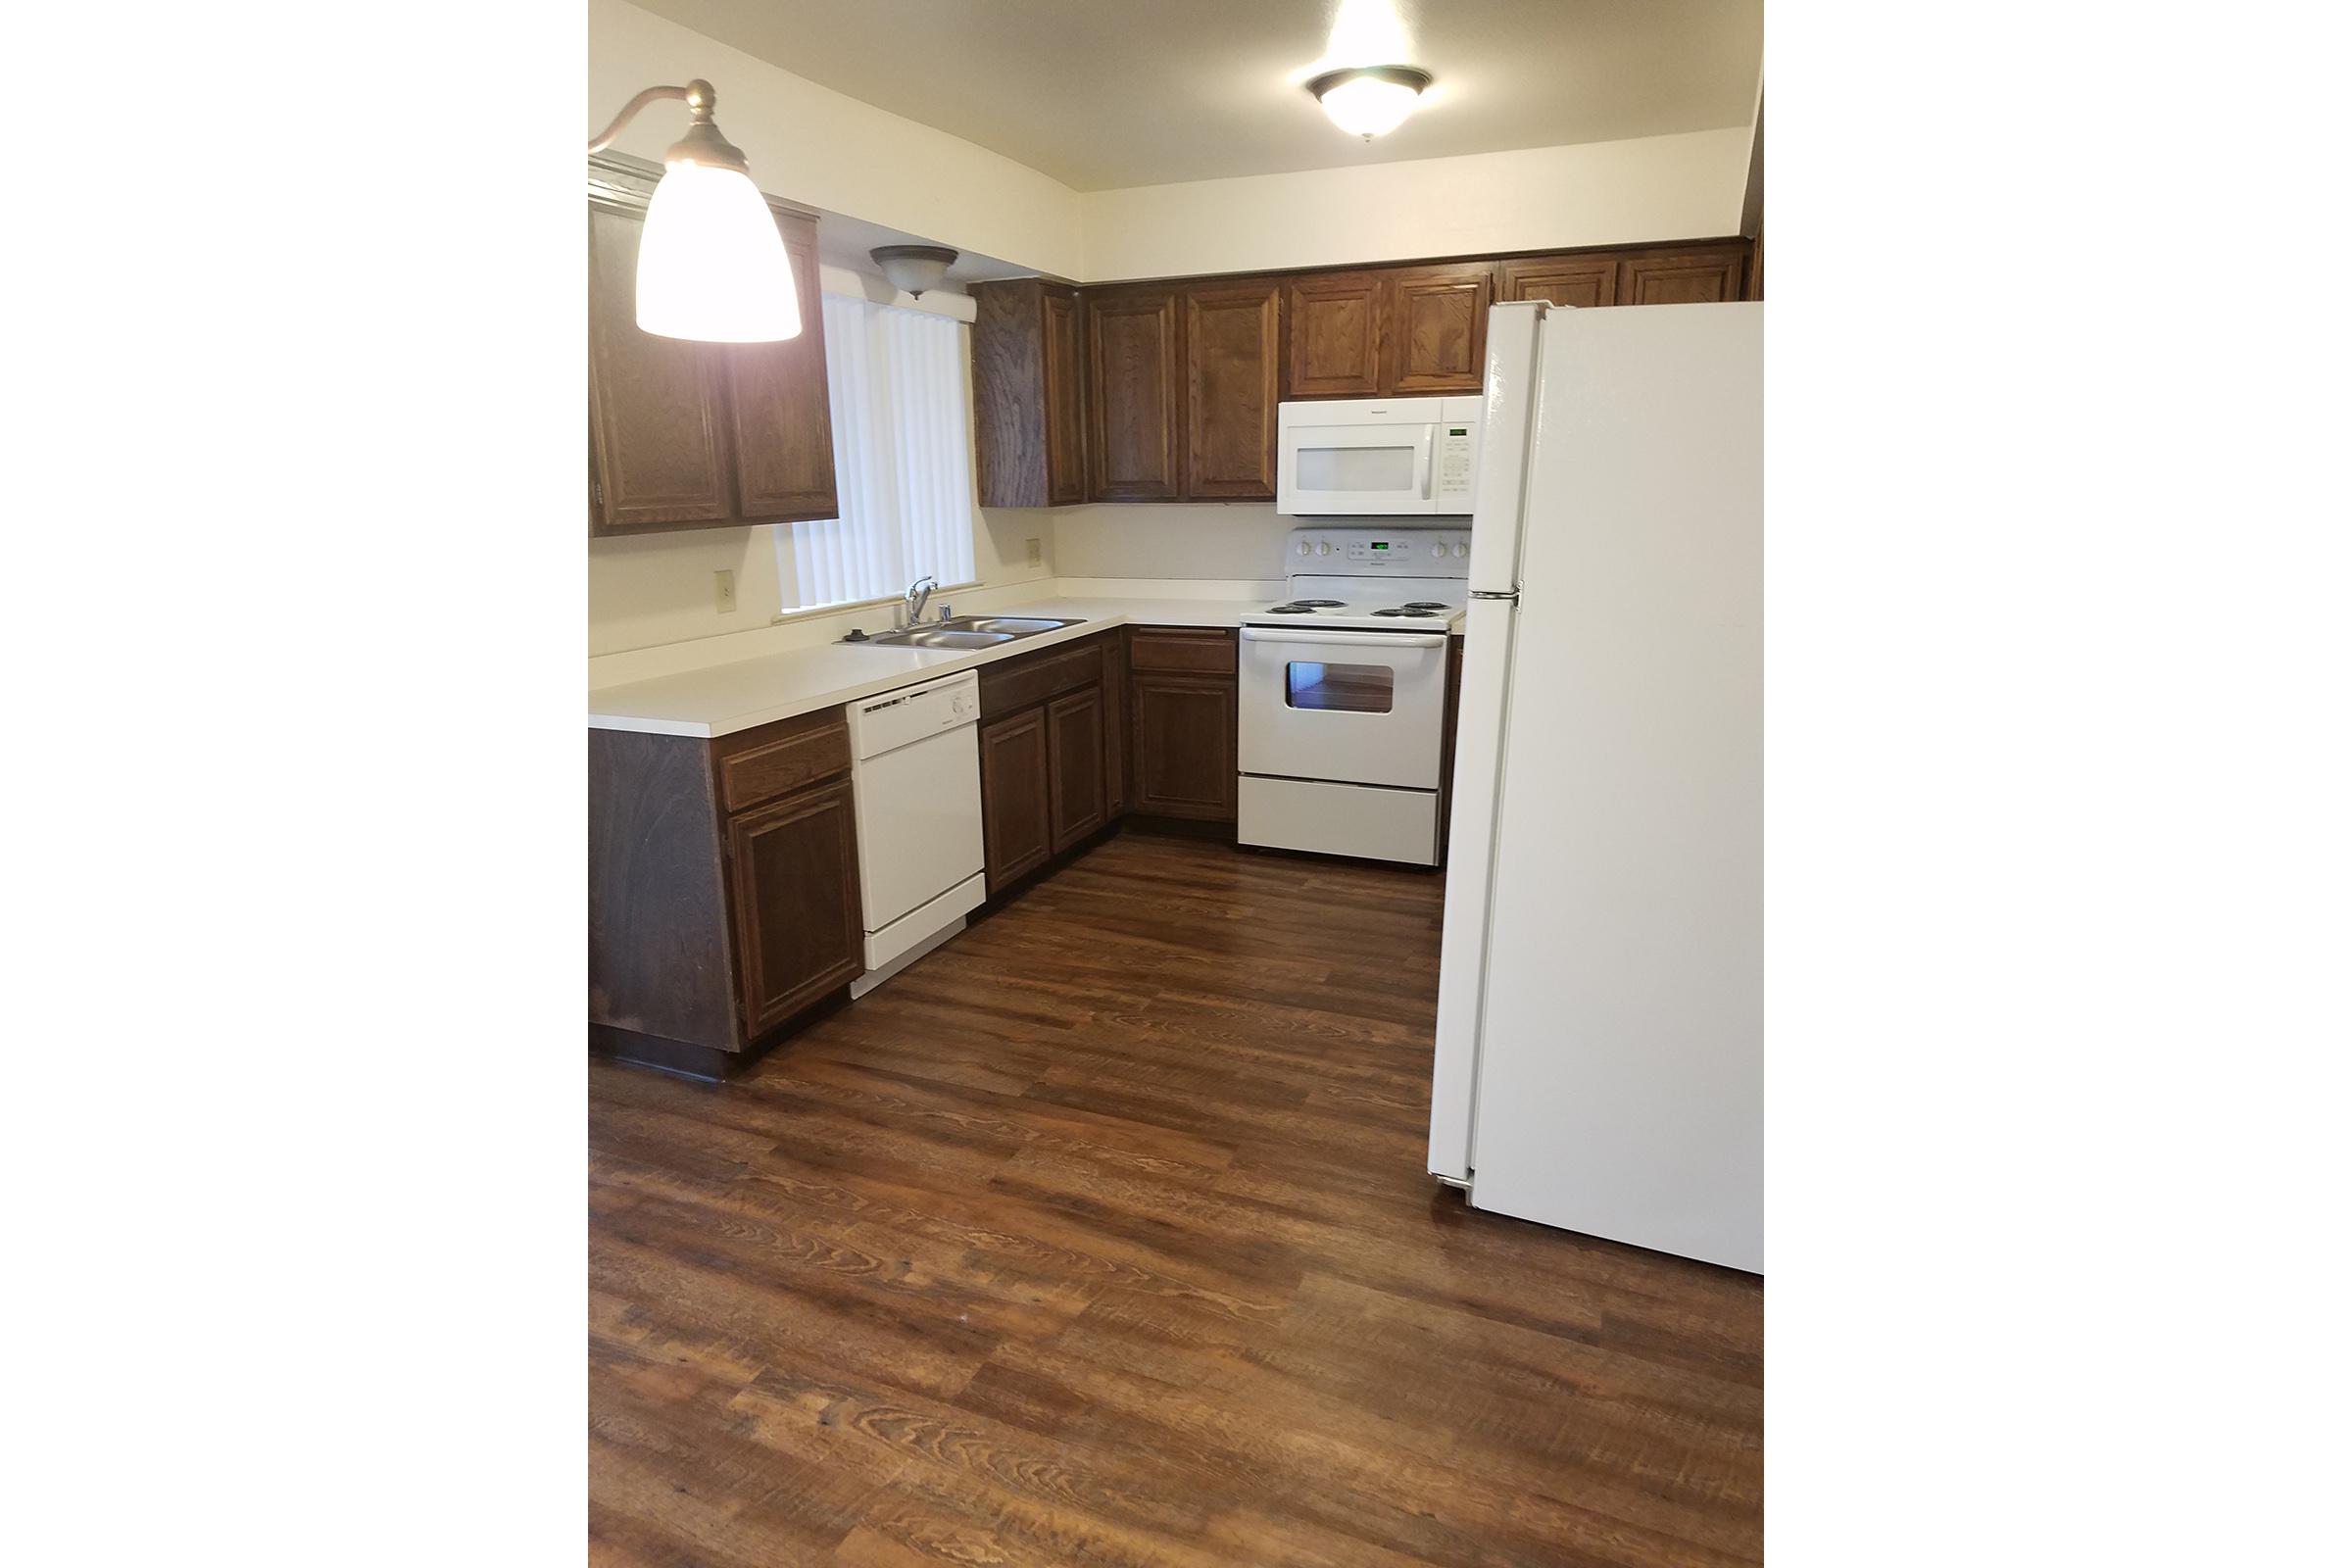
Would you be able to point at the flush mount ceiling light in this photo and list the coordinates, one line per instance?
(912, 268)
(1370, 101)
(711, 265)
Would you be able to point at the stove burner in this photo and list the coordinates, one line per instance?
(1425, 603)
(1403, 610)
(1320, 604)
(1290, 609)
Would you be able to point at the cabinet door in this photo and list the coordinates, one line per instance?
(1233, 356)
(1334, 335)
(1436, 331)
(800, 929)
(781, 410)
(1074, 761)
(1016, 830)
(1698, 277)
(655, 420)
(1184, 745)
(1137, 396)
(1586, 281)
(1065, 397)
(1114, 723)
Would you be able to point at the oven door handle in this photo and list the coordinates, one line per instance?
(1348, 639)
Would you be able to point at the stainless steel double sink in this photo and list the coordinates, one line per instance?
(966, 631)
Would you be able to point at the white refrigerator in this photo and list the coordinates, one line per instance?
(1599, 1042)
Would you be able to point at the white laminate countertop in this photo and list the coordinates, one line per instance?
(723, 699)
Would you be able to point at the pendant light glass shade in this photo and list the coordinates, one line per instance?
(711, 265)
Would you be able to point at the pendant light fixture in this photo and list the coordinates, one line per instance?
(711, 265)
(1370, 101)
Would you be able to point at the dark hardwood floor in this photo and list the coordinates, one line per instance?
(1102, 1236)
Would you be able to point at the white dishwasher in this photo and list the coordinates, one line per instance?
(916, 768)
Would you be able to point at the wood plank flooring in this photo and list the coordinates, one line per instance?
(1102, 1236)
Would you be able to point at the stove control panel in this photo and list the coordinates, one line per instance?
(1434, 553)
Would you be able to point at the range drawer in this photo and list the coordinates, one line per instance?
(1017, 684)
(1182, 650)
(765, 763)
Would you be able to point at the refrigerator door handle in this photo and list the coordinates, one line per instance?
(1489, 593)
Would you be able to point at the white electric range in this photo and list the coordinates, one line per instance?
(1342, 693)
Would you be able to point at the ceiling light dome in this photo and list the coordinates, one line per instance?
(1370, 101)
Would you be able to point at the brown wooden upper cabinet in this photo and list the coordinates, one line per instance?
(1693, 277)
(1169, 391)
(697, 435)
(1136, 390)
(1232, 387)
(656, 416)
(1334, 335)
(1581, 280)
(1435, 334)
(1029, 393)
(781, 408)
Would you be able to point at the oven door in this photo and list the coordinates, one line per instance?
(1355, 707)
(1355, 471)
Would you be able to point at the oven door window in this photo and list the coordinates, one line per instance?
(1341, 688)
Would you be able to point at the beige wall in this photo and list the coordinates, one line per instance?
(1221, 540)
(1542, 198)
(813, 146)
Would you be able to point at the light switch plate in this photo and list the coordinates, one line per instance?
(726, 589)
(1037, 553)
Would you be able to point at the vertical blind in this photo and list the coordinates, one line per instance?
(901, 459)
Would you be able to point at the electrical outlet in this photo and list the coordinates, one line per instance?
(1037, 553)
(726, 590)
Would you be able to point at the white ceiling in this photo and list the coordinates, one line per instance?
(1107, 93)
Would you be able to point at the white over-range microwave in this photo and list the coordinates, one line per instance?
(1378, 458)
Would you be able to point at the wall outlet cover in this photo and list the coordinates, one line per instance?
(725, 591)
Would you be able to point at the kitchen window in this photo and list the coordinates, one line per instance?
(902, 461)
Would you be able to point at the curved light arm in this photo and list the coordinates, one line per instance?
(701, 143)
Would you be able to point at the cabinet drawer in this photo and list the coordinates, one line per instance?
(1017, 683)
(1182, 650)
(761, 765)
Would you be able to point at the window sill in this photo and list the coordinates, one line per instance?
(820, 612)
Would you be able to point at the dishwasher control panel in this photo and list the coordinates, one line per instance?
(884, 723)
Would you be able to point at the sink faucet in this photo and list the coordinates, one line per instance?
(919, 593)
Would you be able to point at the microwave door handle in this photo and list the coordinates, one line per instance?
(1422, 468)
(1345, 639)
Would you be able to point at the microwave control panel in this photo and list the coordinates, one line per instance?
(1457, 456)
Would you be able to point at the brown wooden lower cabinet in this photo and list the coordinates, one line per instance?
(722, 888)
(1184, 745)
(798, 923)
(1074, 766)
(1016, 819)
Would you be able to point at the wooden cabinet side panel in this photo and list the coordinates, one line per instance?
(1233, 363)
(800, 922)
(1136, 396)
(657, 445)
(1015, 816)
(780, 408)
(659, 958)
(1009, 392)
